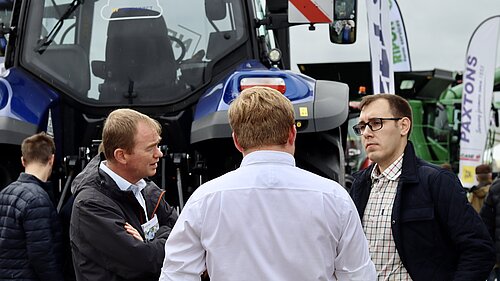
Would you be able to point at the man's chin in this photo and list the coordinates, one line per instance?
(372, 157)
(152, 172)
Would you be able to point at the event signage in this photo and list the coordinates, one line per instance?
(477, 94)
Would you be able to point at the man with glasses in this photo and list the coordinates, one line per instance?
(416, 217)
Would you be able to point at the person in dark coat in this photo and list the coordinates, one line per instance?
(30, 231)
(120, 220)
(416, 216)
(490, 213)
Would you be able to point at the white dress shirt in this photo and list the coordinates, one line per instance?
(268, 220)
(125, 185)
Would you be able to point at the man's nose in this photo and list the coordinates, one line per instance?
(366, 132)
(158, 153)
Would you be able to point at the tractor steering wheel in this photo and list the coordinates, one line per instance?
(179, 44)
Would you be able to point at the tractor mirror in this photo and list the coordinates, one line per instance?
(343, 28)
(98, 68)
(215, 9)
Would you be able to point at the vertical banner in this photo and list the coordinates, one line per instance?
(477, 95)
(400, 50)
(379, 29)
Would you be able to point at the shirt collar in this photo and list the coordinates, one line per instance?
(122, 183)
(268, 156)
(391, 173)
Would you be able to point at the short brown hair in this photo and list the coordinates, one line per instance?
(483, 172)
(38, 148)
(261, 116)
(399, 106)
(120, 129)
(483, 169)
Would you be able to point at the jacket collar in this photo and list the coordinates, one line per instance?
(122, 183)
(46, 186)
(93, 177)
(409, 170)
(24, 177)
(107, 185)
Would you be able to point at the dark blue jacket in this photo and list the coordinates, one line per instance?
(102, 249)
(437, 233)
(30, 232)
(490, 213)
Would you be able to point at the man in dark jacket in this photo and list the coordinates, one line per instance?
(490, 213)
(415, 215)
(120, 221)
(30, 232)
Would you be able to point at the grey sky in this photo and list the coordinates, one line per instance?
(438, 32)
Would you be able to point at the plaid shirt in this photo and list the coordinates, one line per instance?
(377, 223)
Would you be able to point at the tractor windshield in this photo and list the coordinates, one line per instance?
(120, 52)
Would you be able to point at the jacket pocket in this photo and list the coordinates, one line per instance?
(417, 214)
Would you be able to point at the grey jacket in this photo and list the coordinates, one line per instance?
(102, 249)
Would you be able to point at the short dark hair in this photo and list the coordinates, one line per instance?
(483, 169)
(483, 173)
(399, 106)
(38, 148)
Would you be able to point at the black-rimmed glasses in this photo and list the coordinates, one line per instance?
(374, 124)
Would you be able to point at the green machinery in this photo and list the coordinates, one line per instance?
(436, 105)
(436, 100)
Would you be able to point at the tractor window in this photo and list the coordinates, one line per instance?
(122, 52)
(52, 14)
(5, 11)
(5, 15)
(51, 48)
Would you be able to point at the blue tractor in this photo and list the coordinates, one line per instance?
(71, 62)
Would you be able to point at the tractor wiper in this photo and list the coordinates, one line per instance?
(47, 40)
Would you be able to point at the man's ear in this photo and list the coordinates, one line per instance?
(120, 156)
(292, 135)
(236, 143)
(22, 162)
(51, 160)
(405, 126)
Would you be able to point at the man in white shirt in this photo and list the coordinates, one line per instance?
(268, 219)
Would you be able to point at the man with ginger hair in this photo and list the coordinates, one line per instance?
(268, 219)
(120, 220)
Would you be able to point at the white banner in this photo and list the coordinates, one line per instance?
(379, 29)
(476, 97)
(400, 51)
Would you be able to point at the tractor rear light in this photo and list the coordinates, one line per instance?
(271, 82)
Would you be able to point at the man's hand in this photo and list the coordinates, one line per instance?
(132, 231)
